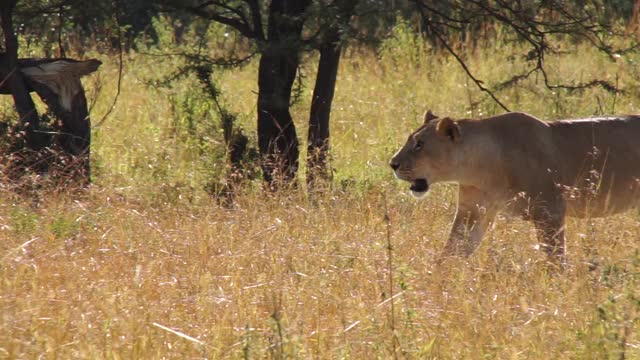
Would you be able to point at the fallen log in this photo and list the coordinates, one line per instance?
(62, 76)
(57, 83)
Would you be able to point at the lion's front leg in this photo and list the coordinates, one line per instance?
(474, 215)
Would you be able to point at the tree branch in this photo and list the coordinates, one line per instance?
(532, 29)
(478, 82)
(239, 22)
(256, 16)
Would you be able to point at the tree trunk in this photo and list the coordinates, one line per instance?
(277, 137)
(279, 62)
(330, 51)
(25, 107)
(318, 146)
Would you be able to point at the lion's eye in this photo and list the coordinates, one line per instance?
(418, 145)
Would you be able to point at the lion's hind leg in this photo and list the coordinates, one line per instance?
(548, 219)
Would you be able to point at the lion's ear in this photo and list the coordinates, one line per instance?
(428, 116)
(449, 128)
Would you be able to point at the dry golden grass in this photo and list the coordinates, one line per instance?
(144, 265)
(100, 276)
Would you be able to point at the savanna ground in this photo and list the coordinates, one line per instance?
(145, 264)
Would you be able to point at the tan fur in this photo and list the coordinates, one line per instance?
(519, 164)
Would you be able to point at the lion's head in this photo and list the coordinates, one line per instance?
(428, 156)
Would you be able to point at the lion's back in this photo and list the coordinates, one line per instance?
(600, 157)
(609, 144)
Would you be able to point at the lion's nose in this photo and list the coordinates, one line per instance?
(394, 165)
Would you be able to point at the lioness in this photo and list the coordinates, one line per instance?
(517, 163)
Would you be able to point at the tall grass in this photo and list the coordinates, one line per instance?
(145, 264)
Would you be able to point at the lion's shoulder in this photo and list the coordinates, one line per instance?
(509, 129)
(514, 119)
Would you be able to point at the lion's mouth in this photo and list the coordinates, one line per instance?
(419, 186)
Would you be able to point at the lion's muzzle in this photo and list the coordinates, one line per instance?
(419, 187)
